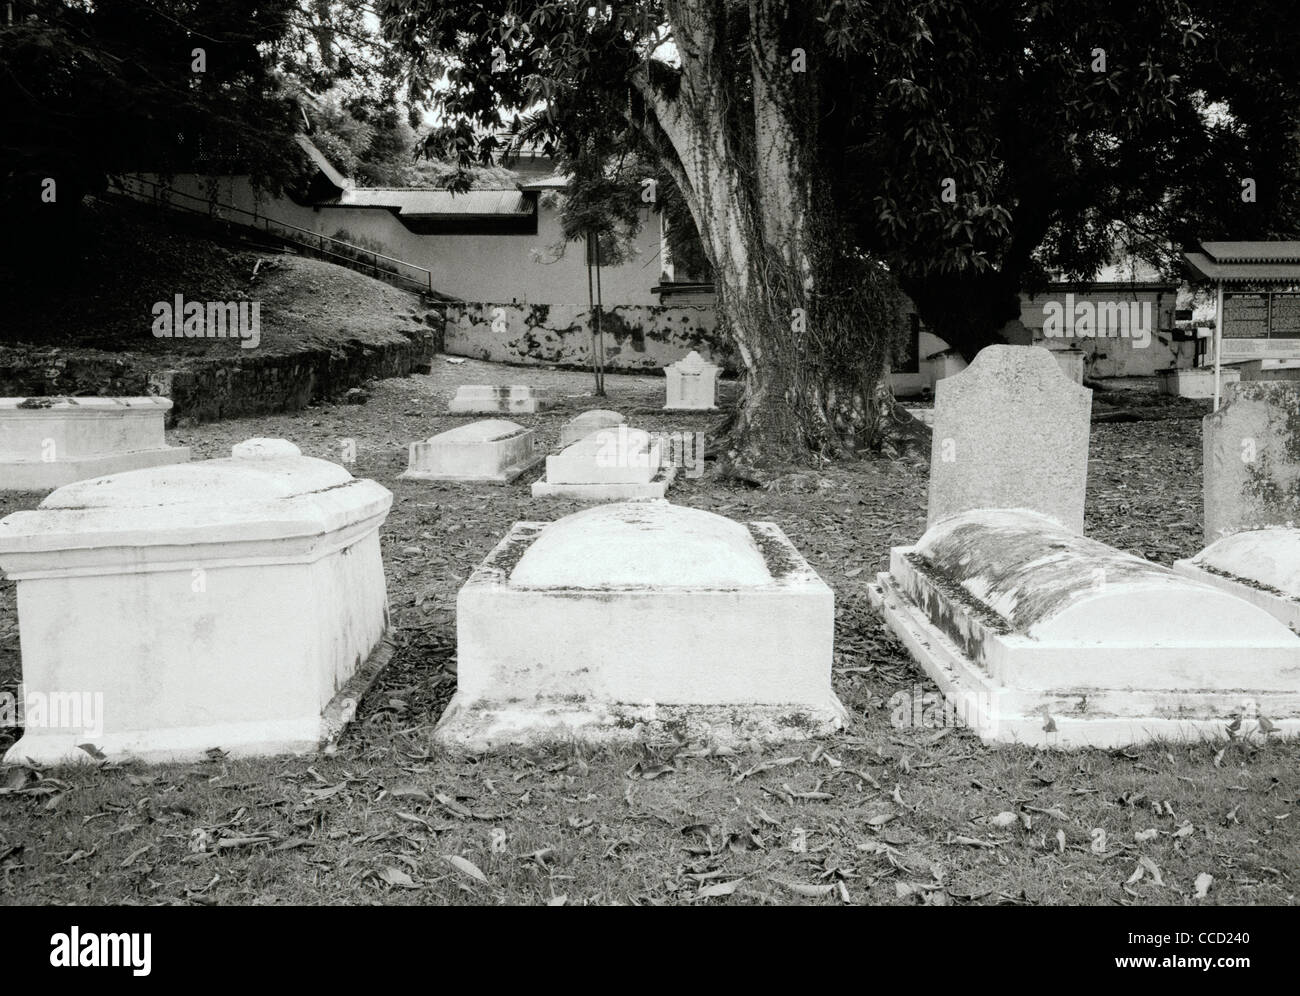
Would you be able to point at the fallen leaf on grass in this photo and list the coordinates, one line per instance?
(466, 867)
(408, 791)
(719, 889)
(1142, 836)
(766, 766)
(1152, 869)
(1054, 811)
(225, 843)
(970, 841)
(398, 878)
(451, 805)
(1003, 820)
(649, 772)
(130, 858)
(1203, 883)
(803, 889)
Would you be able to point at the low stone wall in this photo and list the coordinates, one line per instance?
(637, 337)
(203, 390)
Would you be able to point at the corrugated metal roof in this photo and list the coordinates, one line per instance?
(429, 202)
(1204, 268)
(1252, 252)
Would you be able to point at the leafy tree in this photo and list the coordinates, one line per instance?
(973, 148)
(88, 91)
(708, 91)
(1062, 134)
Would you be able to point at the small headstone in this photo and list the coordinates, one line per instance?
(487, 399)
(1010, 431)
(493, 451)
(587, 423)
(692, 384)
(48, 442)
(608, 465)
(1252, 459)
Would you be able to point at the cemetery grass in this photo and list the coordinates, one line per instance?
(881, 814)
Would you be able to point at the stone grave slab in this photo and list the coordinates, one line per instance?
(1010, 431)
(490, 399)
(608, 465)
(1251, 468)
(235, 603)
(1260, 565)
(493, 451)
(48, 442)
(588, 422)
(1197, 382)
(692, 385)
(1272, 369)
(640, 620)
(1037, 635)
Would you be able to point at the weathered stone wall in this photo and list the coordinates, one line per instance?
(203, 390)
(637, 337)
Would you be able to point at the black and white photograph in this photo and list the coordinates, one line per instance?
(669, 453)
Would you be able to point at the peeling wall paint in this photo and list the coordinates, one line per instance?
(636, 337)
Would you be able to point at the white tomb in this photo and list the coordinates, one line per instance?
(235, 603)
(640, 620)
(608, 465)
(493, 451)
(692, 384)
(490, 399)
(588, 422)
(1196, 382)
(1260, 565)
(1037, 635)
(49, 442)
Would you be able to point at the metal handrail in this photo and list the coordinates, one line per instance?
(167, 194)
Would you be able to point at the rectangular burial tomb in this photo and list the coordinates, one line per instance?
(493, 451)
(491, 399)
(48, 442)
(1037, 635)
(1260, 565)
(609, 465)
(642, 620)
(235, 603)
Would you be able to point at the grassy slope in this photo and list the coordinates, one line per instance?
(907, 818)
(100, 293)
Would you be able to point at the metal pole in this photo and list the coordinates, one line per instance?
(1218, 342)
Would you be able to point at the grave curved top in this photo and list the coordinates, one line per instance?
(267, 491)
(489, 430)
(598, 416)
(1046, 582)
(1268, 557)
(643, 544)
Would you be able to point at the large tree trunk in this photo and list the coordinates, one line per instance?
(811, 320)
